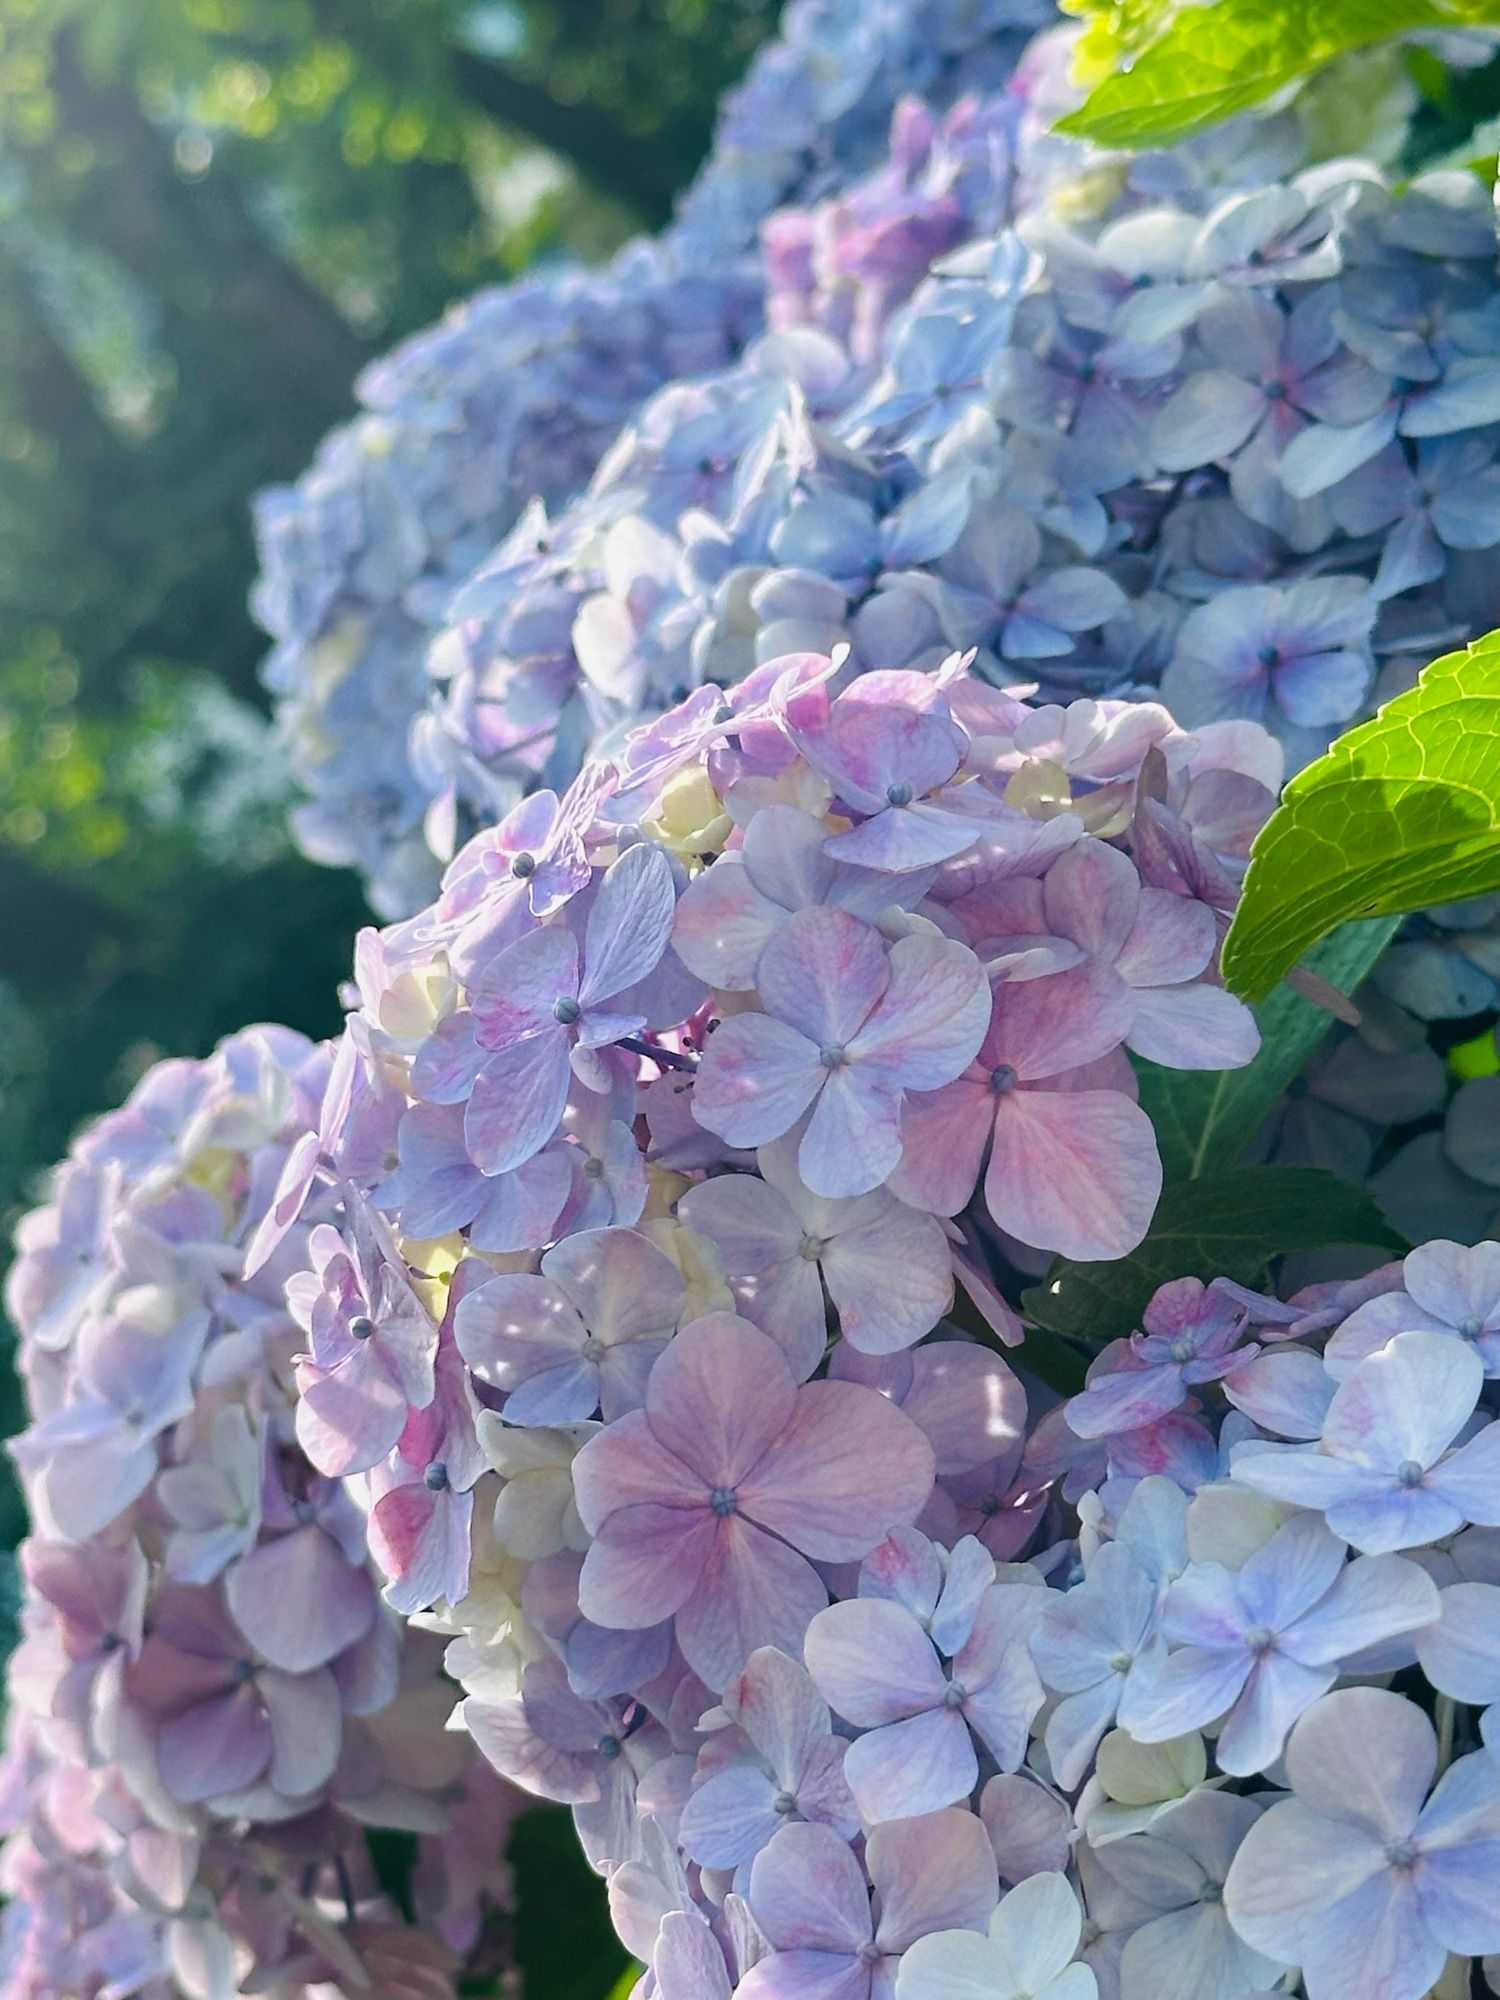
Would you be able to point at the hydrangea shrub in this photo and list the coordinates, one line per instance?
(210, 1705)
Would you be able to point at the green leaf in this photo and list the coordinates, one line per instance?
(627, 1983)
(1212, 61)
(1204, 1119)
(1403, 812)
(566, 1948)
(1229, 1225)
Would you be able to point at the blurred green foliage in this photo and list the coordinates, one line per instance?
(212, 213)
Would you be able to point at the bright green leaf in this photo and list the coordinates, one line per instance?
(1226, 1225)
(1210, 62)
(1204, 1119)
(1403, 812)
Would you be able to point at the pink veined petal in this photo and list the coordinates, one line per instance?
(853, 1139)
(217, 1746)
(347, 1421)
(779, 1709)
(1043, 1027)
(846, 1468)
(808, 1892)
(1193, 1027)
(866, 747)
(753, 1591)
(724, 923)
(757, 1079)
(1124, 1400)
(688, 1962)
(719, 1398)
(933, 1873)
(1092, 894)
(1407, 1401)
(1286, 1391)
(784, 858)
(1277, 1692)
(928, 1025)
(1366, 1757)
(872, 1662)
(624, 1465)
(968, 1402)
(620, 1283)
(1181, 1692)
(943, 1137)
(306, 1727)
(298, 1601)
(515, 1324)
(1455, 1282)
(822, 974)
(1290, 1871)
(644, 1563)
(918, 835)
(805, 1974)
(1470, 1479)
(448, 1061)
(630, 923)
(517, 1102)
(729, 1817)
(1375, 1598)
(1172, 939)
(1374, 1945)
(514, 996)
(891, 1281)
(916, 1765)
(1075, 1172)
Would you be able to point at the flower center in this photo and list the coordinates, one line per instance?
(1003, 1079)
(833, 1057)
(1275, 392)
(522, 865)
(1409, 1472)
(244, 1672)
(566, 1011)
(1211, 1892)
(869, 1954)
(810, 1249)
(1121, 1663)
(1401, 1853)
(593, 1170)
(954, 1695)
(435, 1478)
(362, 1326)
(723, 1502)
(898, 795)
(1269, 656)
(1182, 1348)
(784, 1803)
(1471, 1328)
(1260, 1640)
(594, 1349)
(609, 1747)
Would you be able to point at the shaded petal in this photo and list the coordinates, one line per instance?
(517, 1102)
(753, 1591)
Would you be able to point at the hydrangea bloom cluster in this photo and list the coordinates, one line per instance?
(514, 398)
(1221, 420)
(210, 1704)
(662, 1143)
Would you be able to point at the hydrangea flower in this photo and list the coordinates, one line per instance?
(1027, 1952)
(707, 1503)
(1361, 1877)
(810, 1897)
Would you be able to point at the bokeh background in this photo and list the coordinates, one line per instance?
(212, 214)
